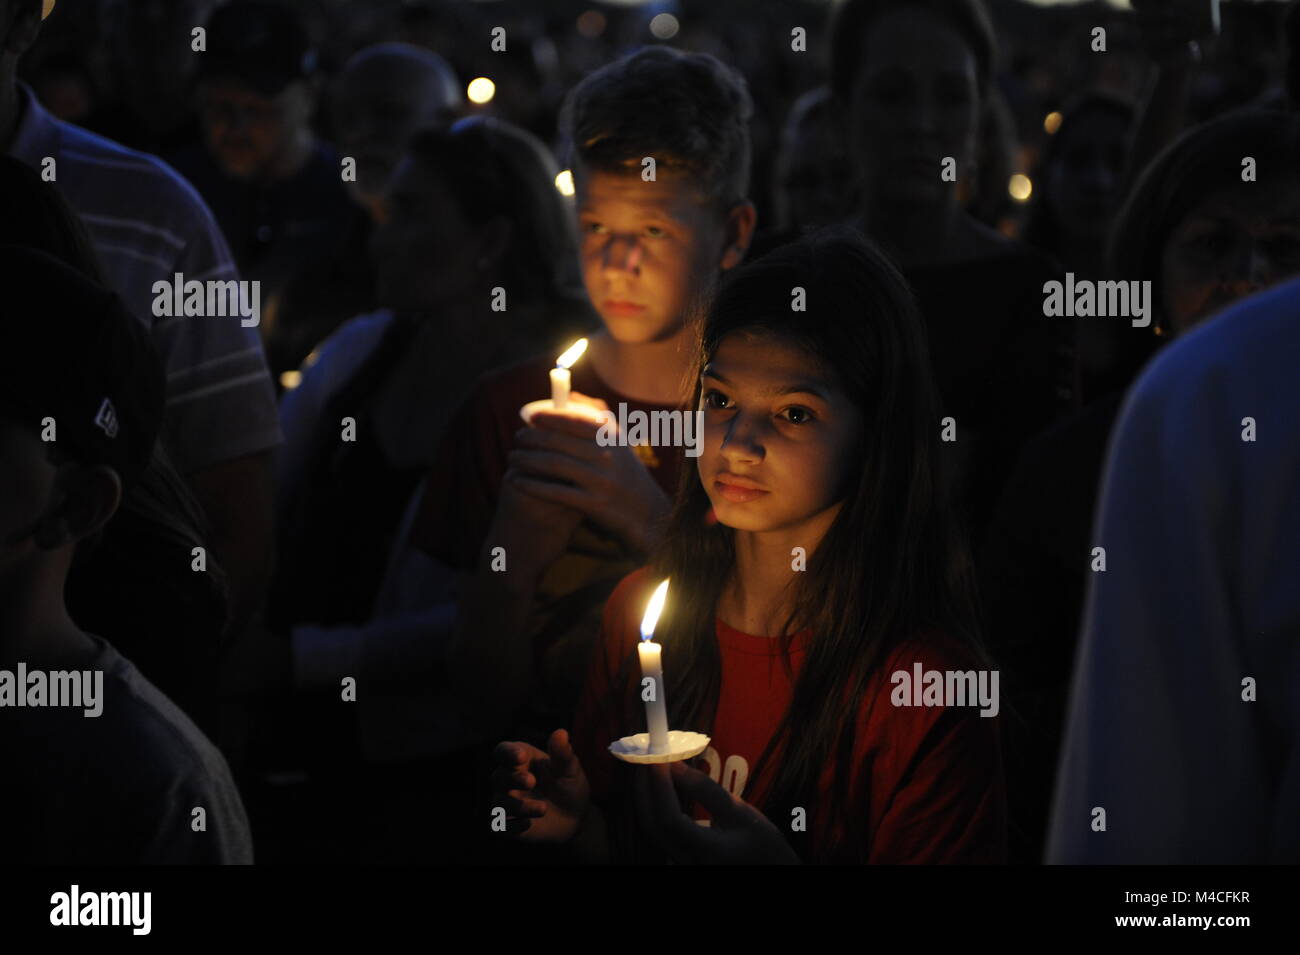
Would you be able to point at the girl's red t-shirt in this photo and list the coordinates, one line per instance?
(929, 779)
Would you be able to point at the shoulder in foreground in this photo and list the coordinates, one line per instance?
(165, 188)
(1251, 347)
(149, 732)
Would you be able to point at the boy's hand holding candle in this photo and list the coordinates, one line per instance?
(610, 485)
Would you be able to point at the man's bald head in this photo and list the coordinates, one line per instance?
(384, 94)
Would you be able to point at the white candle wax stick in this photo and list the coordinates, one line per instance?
(656, 709)
(560, 384)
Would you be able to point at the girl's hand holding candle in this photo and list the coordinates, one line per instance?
(737, 834)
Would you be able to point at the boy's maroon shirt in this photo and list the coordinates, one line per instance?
(459, 504)
(462, 489)
(929, 779)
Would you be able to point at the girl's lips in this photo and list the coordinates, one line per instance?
(737, 494)
(623, 308)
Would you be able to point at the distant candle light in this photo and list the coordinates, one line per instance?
(664, 26)
(1051, 123)
(564, 182)
(1020, 187)
(481, 90)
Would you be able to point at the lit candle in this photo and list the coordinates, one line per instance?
(656, 708)
(560, 378)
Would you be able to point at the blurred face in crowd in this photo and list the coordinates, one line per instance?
(378, 104)
(814, 175)
(1084, 181)
(779, 435)
(647, 248)
(426, 252)
(1234, 244)
(915, 101)
(250, 134)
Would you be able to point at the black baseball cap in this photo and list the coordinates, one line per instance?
(263, 44)
(70, 350)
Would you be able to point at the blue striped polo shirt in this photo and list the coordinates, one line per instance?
(147, 224)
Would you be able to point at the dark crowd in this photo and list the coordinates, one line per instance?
(980, 511)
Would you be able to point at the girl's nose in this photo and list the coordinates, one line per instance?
(743, 440)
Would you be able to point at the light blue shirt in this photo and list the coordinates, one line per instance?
(1197, 610)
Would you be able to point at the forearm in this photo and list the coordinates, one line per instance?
(236, 498)
(388, 651)
(491, 660)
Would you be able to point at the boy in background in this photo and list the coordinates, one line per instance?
(572, 515)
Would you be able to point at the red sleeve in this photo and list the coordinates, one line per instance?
(937, 793)
(599, 718)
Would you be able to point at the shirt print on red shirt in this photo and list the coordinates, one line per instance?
(928, 779)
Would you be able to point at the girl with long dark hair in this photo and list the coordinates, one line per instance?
(821, 517)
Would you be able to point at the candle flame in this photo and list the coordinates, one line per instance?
(652, 611)
(573, 354)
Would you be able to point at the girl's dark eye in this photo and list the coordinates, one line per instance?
(592, 227)
(715, 400)
(796, 415)
(655, 232)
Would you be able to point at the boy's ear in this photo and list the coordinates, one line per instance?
(83, 501)
(24, 24)
(741, 221)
